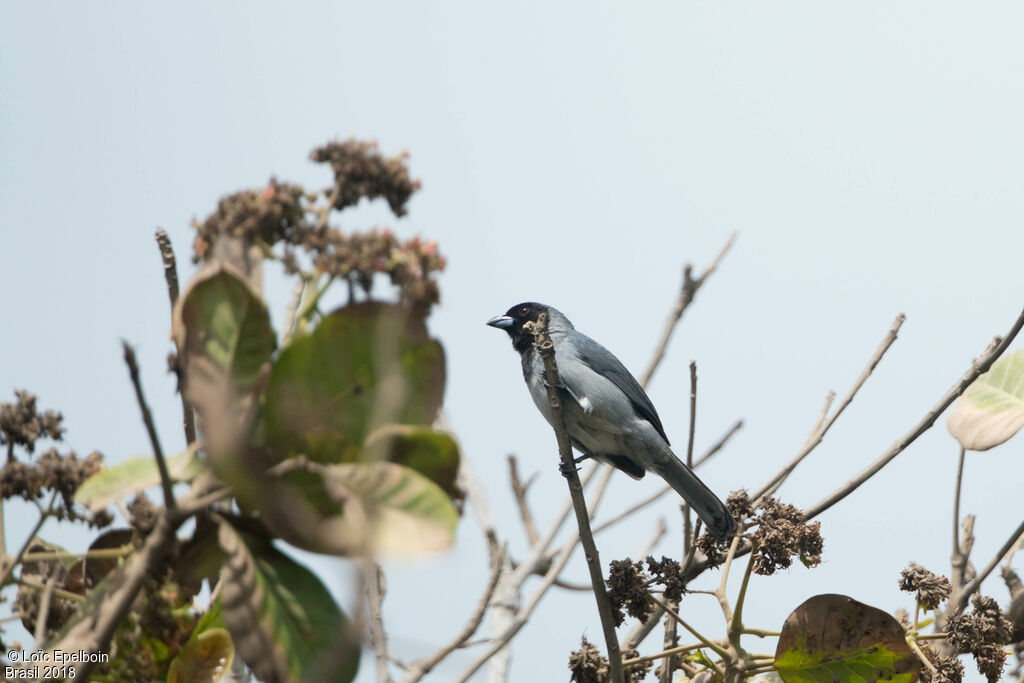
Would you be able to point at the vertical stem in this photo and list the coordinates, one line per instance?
(693, 413)
(147, 418)
(956, 502)
(378, 637)
(546, 349)
(736, 627)
(188, 418)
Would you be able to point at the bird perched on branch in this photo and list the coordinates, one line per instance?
(607, 413)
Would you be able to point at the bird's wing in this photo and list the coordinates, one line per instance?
(603, 362)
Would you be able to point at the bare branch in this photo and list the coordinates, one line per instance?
(421, 667)
(9, 563)
(292, 311)
(546, 349)
(683, 301)
(959, 561)
(44, 606)
(170, 264)
(92, 635)
(498, 642)
(519, 491)
(958, 603)
(718, 649)
(693, 413)
(978, 367)
(373, 579)
(147, 418)
(718, 445)
(825, 421)
(188, 416)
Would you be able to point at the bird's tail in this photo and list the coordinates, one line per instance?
(701, 499)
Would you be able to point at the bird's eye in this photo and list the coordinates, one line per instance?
(524, 311)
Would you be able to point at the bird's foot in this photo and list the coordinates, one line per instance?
(565, 469)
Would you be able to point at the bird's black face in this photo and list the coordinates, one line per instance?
(513, 321)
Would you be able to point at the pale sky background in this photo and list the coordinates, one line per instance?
(869, 155)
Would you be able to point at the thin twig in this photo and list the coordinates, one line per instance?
(546, 349)
(291, 312)
(718, 445)
(683, 301)
(147, 418)
(978, 368)
(103, 553)
(59, 592)
(920, 655)
(736, 626)
(170, 264)
(959, 556)
(670, 652)
(519, 491)
(825, 423)
(961, 600)
(723, 598)
(43, 615)
(12, 562)
(522, 615)
(188, 416)
(718, 649)
(378, 637)
(693, 413)
(421, 667)
(191, 506)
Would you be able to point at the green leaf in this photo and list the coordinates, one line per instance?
(364, 365)
(284, 622)
(991, 410)
(205, 658)
(355, 508)
(832, 638)
(211, 618)
(406, 512)
(221, 320)
(433, 454)
(134, 475)
(225, 343)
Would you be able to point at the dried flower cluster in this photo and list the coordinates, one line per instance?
(629, 585)
(982, 632)
(55, 472)
(627, 589)
(587, 664)
(932, 589)
(635, 674)
(782, 533)
(144, 514)
(949, 670)
(284, 213)
(668, 573)
(27, 602)
(739, 505)
(275, 214)
(22, 425)
(360, 171)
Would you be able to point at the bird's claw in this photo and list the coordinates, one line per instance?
(566, 470)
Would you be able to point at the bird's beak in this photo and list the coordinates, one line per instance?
(501, 321)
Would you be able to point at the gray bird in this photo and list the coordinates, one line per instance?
(607, 413)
